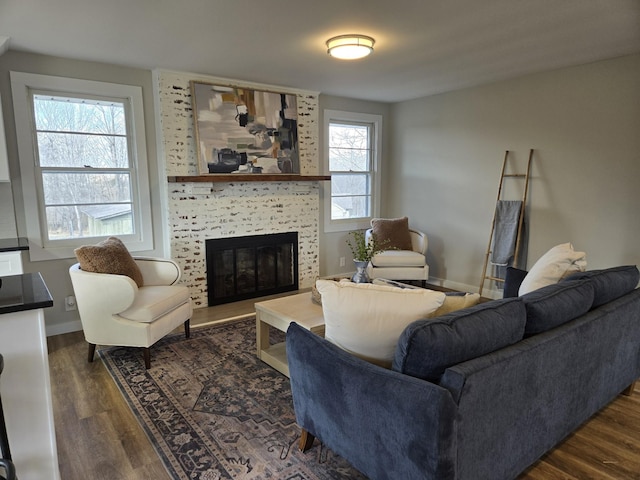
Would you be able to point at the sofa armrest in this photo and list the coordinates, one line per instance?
(386, 424)
(512, 281)
(158, 271)
(419, 241)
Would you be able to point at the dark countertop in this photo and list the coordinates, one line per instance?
(13, 244)
(23, 292)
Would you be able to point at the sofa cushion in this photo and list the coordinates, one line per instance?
(610, 283)
(109, 256)
(392, 233)
(557, 263)
(366, 320)
(398, 258)
(553, 305)
(427, 348)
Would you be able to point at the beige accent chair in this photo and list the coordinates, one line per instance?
(401, 264)
(114, 311)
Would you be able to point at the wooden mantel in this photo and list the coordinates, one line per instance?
(247, 177)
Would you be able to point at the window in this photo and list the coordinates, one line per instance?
(83, 163)
(352, 144)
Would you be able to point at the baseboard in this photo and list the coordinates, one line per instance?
(61, 328)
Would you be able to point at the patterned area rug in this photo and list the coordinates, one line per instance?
(214, 411)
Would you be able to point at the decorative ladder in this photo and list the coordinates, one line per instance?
(503, 175)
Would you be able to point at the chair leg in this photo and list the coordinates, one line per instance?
(92, 351)
(9, 468)
(187, 328)
(5, 451)
(306, 441)
(4, 439)
(629, 390)
(147, 357)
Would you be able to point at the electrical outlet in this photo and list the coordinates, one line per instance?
(70, 303)
(342, 263)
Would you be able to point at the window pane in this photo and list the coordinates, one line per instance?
(343, 159)
(67, 114)
(89, 221)
(350, 184)
(350, 207)
(82, 188)
(82, 150)
(349, 136)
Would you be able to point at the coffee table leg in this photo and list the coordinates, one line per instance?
(262, 336)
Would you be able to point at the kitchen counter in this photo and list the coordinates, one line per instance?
(25, 384)
(13, 244)
(23, 292)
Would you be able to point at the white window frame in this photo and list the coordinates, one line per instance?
(375, 121)
(22, 86)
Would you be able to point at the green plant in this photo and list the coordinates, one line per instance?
(362, 250)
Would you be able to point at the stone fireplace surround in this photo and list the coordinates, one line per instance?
(200, 211)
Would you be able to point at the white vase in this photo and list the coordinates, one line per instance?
(361, 275)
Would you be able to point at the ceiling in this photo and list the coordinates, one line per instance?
(423, 47)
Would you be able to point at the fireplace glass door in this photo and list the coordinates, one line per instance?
(248, 267)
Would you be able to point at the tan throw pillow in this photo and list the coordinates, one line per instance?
(456, 302)
(109, 256)
(392, 233)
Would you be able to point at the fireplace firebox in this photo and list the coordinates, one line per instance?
(239, 268)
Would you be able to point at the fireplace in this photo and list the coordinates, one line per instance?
(239, 268)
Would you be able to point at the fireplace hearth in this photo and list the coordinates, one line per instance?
(239, 268)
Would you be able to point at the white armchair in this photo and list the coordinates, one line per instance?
(115, 311)
(401, 264)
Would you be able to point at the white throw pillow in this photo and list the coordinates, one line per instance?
(553, 266)
(367, 320)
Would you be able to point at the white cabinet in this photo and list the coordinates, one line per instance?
(10, 263)
(4, 159)
(26, 386)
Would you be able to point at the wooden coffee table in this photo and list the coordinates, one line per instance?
(279, 313)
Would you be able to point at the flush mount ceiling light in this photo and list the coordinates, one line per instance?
(350, 47)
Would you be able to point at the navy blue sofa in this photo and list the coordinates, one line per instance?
(480, 393)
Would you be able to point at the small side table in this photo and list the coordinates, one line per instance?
(279, 313)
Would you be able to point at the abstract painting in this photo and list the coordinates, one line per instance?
(243, 130)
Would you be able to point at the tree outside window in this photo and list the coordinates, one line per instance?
(84, 164)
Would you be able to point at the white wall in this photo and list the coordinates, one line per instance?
(584, 124)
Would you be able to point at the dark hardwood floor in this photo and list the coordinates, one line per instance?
(99, 438)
